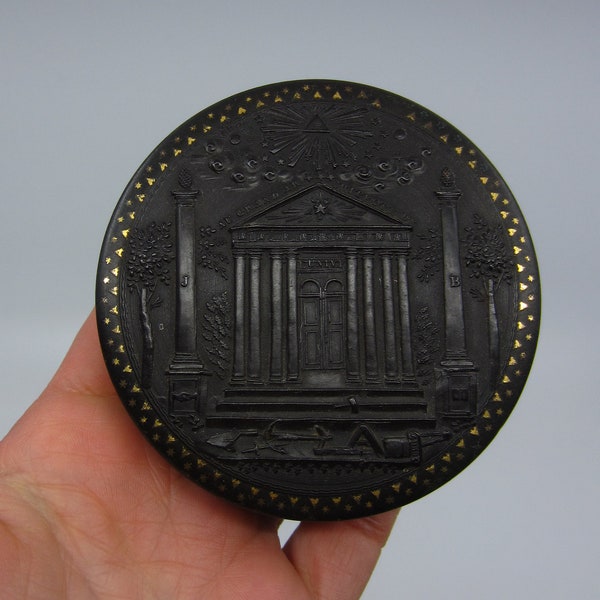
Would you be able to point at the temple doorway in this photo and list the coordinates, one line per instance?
(322, 328)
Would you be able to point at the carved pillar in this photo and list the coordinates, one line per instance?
(187, 376)
(456, 379)
(292, 339)
(407, 368)
(239, 340)
(254, 357)
(453, 300)
(353, 370)
(370, 340)
(389, 321)
(276, 372)
(185, 316)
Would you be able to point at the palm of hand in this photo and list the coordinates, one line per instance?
(89, 510)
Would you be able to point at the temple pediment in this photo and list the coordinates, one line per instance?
(320, 206)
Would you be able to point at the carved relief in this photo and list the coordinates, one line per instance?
(427, 343)
(321, 135)
(210, 254)
(322, 289)
(307, 296)
(317, 319)
(429, 254)
(309, 142)
(216, 332)
(150, 252)
(488, 262)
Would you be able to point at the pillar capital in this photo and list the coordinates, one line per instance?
(448, 198)
(449, 193)
(276, 253)
(185, 197)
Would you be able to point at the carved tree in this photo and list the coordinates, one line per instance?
(150, 251)
(488, 261)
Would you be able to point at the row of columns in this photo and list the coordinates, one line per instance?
(398, 363)
(398, 359)
(251, 370)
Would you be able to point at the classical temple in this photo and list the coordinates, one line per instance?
(332, 266)
(321, 315)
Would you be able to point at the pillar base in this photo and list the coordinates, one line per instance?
(457, 388)
(188, 385)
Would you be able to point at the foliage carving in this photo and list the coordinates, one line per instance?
(149, 253)
(488, 262)
(209, 254)
(430, 254)
(217, 331)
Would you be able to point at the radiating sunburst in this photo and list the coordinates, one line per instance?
(322, 134)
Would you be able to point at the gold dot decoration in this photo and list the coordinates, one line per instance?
(413, 482)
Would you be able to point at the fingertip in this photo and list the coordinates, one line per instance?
(347, 549)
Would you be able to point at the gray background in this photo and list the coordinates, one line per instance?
(88, 89)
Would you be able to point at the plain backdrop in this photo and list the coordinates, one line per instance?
(89, 88)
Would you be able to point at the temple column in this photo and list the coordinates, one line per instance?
(292, 321)
(353, 371)
(239, 341)
(276, 371)
(369, 312)
(389, 321)
(254, 357)
(407, 368)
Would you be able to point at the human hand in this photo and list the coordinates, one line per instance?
(88, 509)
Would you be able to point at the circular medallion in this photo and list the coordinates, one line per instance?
(318, 299)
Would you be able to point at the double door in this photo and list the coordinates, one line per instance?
(322, 324)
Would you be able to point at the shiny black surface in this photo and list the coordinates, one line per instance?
(318, 299)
